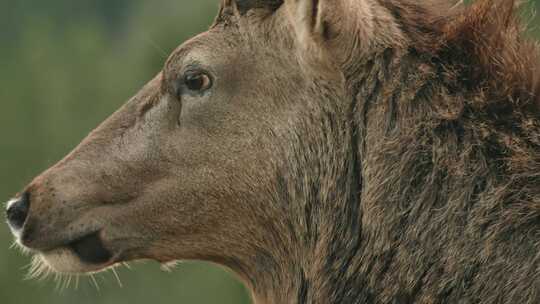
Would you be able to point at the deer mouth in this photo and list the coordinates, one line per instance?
(90, 249)
(81, 255)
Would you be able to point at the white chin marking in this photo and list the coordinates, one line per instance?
(16, 233)
(63, 260)
(11, 202)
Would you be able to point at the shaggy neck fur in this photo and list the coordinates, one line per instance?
(434, 215)
(442, 188)
(319, 189)
(423, 185)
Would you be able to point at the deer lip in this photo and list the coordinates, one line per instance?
(90, 249)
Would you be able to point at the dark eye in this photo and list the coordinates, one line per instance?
(197, 81)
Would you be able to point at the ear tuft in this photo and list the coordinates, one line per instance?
(245, 5)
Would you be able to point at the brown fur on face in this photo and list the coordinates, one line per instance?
(351, 151)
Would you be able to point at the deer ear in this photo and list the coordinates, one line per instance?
(309, 18)
(318, 25)
(335, 28)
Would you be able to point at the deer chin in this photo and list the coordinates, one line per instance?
(87, 254)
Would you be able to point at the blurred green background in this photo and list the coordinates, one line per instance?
(65, 66)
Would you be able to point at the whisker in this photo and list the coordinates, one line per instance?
(170, 266)
(95, 282)
(64, 281)
(57, 281)
(28, 266)
(37, 269)
(155, 46)
(117, 277)
(68, 281)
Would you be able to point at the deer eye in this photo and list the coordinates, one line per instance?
(197, 81)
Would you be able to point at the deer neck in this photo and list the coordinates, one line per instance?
(312, 256)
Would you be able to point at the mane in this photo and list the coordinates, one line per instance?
(485, 43)
(450, 139)
(490, 39)
(490, 69)
(492, 61)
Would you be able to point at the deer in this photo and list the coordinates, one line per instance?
(346, 151)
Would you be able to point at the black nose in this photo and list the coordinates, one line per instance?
(17, 211)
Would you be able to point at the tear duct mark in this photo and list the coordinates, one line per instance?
(314, 13)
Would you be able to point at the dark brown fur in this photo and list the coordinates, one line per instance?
(452, 158)
(449, 146)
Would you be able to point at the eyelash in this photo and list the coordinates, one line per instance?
(195, 81)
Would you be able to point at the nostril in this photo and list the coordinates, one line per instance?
(17, 211)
